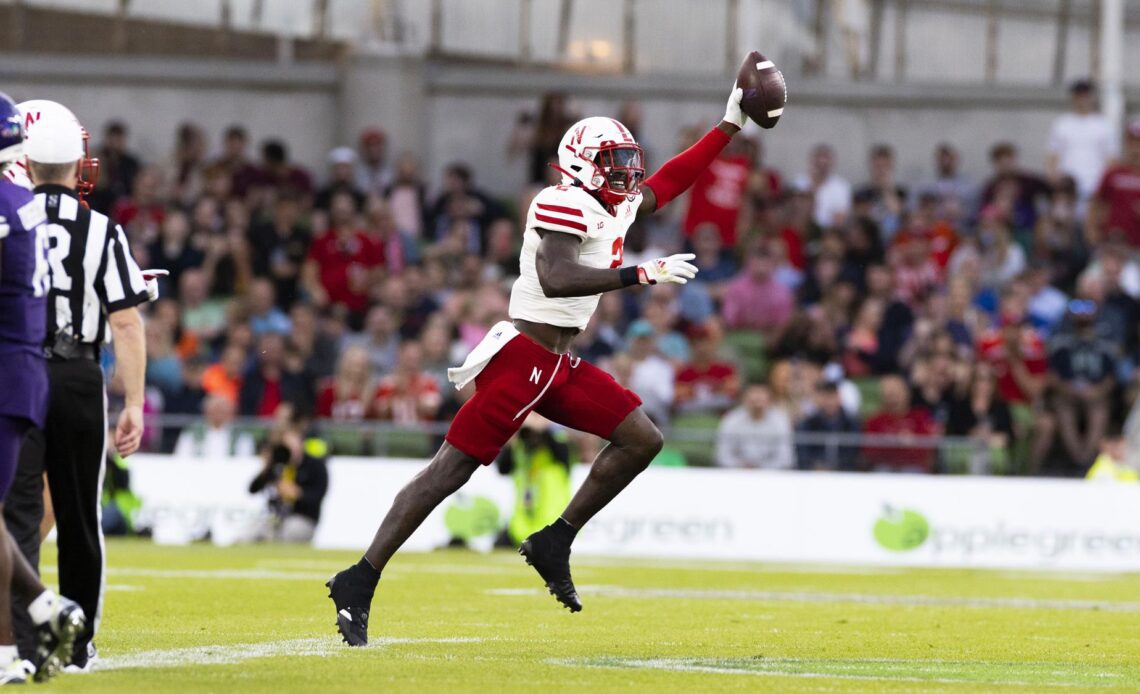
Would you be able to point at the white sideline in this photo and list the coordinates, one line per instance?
(822, 597)
(198, 656)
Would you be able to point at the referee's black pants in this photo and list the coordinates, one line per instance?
(72, 451)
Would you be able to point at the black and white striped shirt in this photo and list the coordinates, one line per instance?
(92, 272)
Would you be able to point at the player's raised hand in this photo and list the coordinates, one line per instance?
(674, 269)
(128, 433)
(732, 112)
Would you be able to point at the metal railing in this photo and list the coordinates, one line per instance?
(956, 455)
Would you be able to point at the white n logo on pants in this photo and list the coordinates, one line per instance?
(535, 375)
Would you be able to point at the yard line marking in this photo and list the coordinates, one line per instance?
(859, 598)
(931, 671)
(228, 654)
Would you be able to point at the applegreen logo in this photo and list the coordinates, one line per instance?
(901, 529)
(470, 517)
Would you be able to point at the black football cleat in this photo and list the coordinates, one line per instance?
(352, 596)
(551, 559)
(56, 637)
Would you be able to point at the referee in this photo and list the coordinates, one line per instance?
(95, 286)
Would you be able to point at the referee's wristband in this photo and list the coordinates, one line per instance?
(629, 276)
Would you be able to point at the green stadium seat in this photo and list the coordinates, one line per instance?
(693, 435)
(748, 348)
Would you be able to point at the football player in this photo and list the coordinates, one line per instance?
(23, 404)
(572, 253)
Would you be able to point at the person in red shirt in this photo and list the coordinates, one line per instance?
(341, 263)
(409, 394)
(923, 222)
(706, 383)
(718, 194)
(898, 418)
(1116, 205)
(344, 395)
(1020, 361)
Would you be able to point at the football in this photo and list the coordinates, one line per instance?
(764, 90)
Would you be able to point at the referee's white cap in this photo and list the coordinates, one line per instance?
(52, 133)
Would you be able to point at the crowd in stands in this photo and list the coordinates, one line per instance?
(1002, 311)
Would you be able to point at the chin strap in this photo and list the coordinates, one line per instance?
(679, 173)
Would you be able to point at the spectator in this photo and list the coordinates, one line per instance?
(652, 377)
(343, 263)
(764, 182)
(173, 250)
(1082, 364)
(317, 349)
(755, 434)
(265, 317)
(1112, 464)
(916, 271)
(886, 197)
(706, 384)
(217, 438)
(754, 300)
(398, 248)
(538, 138)
(201, 316)
(407, 197)
(187, 164)
(118, 168)
(342, 179)
(346, 394)
(279, 245)
(462, 209)
(278, 173)
(861, 354)
(1081, 142)
(235, 163)
(829, 417)
(224, 378)
(294, 478)
(1002, 258)
(408, 395)
(538, 460)
(1115, 206)
(900, 421)
(380, 339)
(832, 193)
(272, 380)
(717, 195)
(1059, 239)
(979, 413)
(142, 213)
(1016, 192)
(373, 176)
(954, 192)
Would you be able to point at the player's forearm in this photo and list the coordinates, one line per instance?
(129, 343)
(679, 173)
(564, 278)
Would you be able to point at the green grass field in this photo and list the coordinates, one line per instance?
(256, 619)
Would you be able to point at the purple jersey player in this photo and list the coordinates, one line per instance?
(24, 282)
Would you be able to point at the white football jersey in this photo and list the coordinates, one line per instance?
(569, 210)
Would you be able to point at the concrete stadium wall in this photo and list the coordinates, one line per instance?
(298, 103)
(449, 111)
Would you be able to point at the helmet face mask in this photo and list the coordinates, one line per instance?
(88, 171)
(601, 156)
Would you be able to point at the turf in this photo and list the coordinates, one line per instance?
(256, 619)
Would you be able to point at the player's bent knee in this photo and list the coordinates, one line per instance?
(639, 435)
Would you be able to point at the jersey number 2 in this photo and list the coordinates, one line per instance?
(618, 251)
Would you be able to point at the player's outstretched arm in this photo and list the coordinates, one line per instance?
(679, 173)
(561, 275)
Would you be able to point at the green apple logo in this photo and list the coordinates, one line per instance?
(470, 517)
(901, 530)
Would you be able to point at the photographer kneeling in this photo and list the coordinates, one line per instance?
(294, 477)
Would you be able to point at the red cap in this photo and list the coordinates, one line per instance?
(372, 135)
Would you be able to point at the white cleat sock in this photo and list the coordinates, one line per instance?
(43, 607)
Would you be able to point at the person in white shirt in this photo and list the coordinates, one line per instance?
(217, 439)
(832, 192)
(755, 434)
(1081, 142)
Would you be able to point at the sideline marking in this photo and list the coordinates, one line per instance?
(858, 598)
(229, 654)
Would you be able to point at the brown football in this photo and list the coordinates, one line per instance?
(764, 90)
